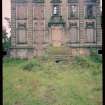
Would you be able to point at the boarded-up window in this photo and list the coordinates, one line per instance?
(21, 36)
(57, 36)
(21, 11)
(73, 35)
(21, 26)
(38, 12)
(90, 33)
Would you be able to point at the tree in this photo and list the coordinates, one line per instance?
(9, 21)
(5, 39)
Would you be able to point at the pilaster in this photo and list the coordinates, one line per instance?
(13, 23)
(98, 24)
(81, 21)
(30, 23)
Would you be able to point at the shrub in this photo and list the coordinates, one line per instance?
(13, 61)
(84, 61)
(28, 66)
(31, 65)
(94, 56)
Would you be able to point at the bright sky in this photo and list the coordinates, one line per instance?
(6, 12)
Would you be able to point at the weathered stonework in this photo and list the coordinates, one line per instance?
(35, 27)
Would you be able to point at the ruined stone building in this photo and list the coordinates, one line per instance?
(38, 24)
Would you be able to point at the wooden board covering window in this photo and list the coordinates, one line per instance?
(57, 36)
(21, 36)
(38, 12)
(21, 11)
(90, 35)
(73, 35)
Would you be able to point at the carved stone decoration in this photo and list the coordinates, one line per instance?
(38, 1)
(38, 25)
(90, 25)
(73, 24)
(56, 1)
(21, 1)
(22, 26)
(73, 1)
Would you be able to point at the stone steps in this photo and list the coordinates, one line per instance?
(61, 58)
(59, 54)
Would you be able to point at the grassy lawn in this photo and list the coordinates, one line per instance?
(35, 82)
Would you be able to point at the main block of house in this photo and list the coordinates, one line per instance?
(38, 25)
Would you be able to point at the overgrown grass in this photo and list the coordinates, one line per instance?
(35, 82)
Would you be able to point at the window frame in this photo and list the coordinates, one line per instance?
(92, 15)
(76, 13)
(58, 10)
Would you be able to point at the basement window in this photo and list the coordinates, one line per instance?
(99, 51)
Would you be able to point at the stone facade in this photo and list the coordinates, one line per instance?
(38, 24)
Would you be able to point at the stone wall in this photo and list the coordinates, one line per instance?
(35, 33)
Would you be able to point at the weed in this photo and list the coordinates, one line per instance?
(28, 66)
(31, 65)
